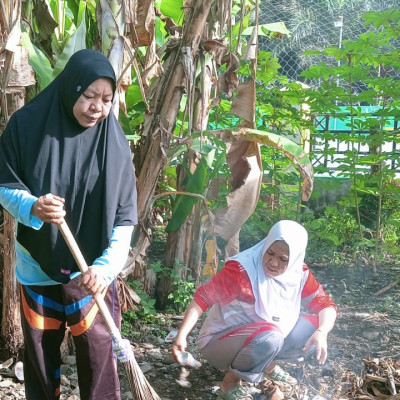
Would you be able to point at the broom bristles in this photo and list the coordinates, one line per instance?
(142, 389)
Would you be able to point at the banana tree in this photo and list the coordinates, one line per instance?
(16, 75)
(166, 95)
(185, 228)
(178, 101)
(243, 150)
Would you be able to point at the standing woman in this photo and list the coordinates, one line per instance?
(64, 155)
(255, 314)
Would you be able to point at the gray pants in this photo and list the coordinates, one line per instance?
(248, 350)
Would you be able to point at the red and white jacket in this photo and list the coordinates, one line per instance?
(230, 296)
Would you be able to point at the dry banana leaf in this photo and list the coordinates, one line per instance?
(127, 296)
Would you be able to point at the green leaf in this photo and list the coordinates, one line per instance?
(38, 61)
(160, 32)
(244, 23)
(197, 183)
(133, 95)
(206, 150)
(73, 5)
(77, 41)
(221, 160)
(265, 29)
(133, 138)
(173, 9)
(291, 149)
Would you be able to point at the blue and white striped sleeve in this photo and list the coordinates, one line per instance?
(18, 203)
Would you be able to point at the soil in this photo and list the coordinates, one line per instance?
(367, 328)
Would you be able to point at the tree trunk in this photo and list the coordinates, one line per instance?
(11, 321)
(200, 122)
(185, 245)
(158, 128)
(16, 74)
(194, 263)
(175, 251)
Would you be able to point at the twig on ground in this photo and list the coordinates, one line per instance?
(386, 288)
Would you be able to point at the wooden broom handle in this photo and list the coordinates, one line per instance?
(83, 267)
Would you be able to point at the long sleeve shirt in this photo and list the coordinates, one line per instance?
(232, 282)
(230, 296)
(28, 272)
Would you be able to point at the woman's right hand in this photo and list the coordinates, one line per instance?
(49, 208)
(192, 315)
(178, 346)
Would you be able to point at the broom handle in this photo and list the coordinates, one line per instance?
(141, 390)
(83, 267)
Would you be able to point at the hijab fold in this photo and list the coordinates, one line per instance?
(277, 299)
(45, 150)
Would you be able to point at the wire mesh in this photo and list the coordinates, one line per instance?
(314, 25)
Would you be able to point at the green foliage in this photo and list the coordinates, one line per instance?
(38, 61)
(366, 61)
(391, 226)
(162, 271)
(182, 289)
(181, 295)
(335, 227)
(196, 183)
(172, 9)
(333, 237)
(57, 32)
(145, 313)
(76, 41)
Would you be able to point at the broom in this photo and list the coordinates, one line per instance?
(140, 387)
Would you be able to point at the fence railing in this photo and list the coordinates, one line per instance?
(335, 139)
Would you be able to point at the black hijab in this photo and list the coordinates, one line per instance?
(44, 150)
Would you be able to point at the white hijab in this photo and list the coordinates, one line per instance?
(278, 299)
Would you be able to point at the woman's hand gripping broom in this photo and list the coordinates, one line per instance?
(140, 387)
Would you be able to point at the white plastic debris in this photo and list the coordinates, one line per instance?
(187, 360)
(19, 371)
(171, 336)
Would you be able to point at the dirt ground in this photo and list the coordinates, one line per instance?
(367, 327)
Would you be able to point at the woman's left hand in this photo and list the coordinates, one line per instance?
(319, 340)
(93, 282)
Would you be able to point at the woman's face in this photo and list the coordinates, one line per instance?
(94, 104)
(276, 258)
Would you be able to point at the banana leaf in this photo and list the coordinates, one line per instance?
(291, 149)
(38, 61)
(77, 41)
(184, 204)
(196, 183)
